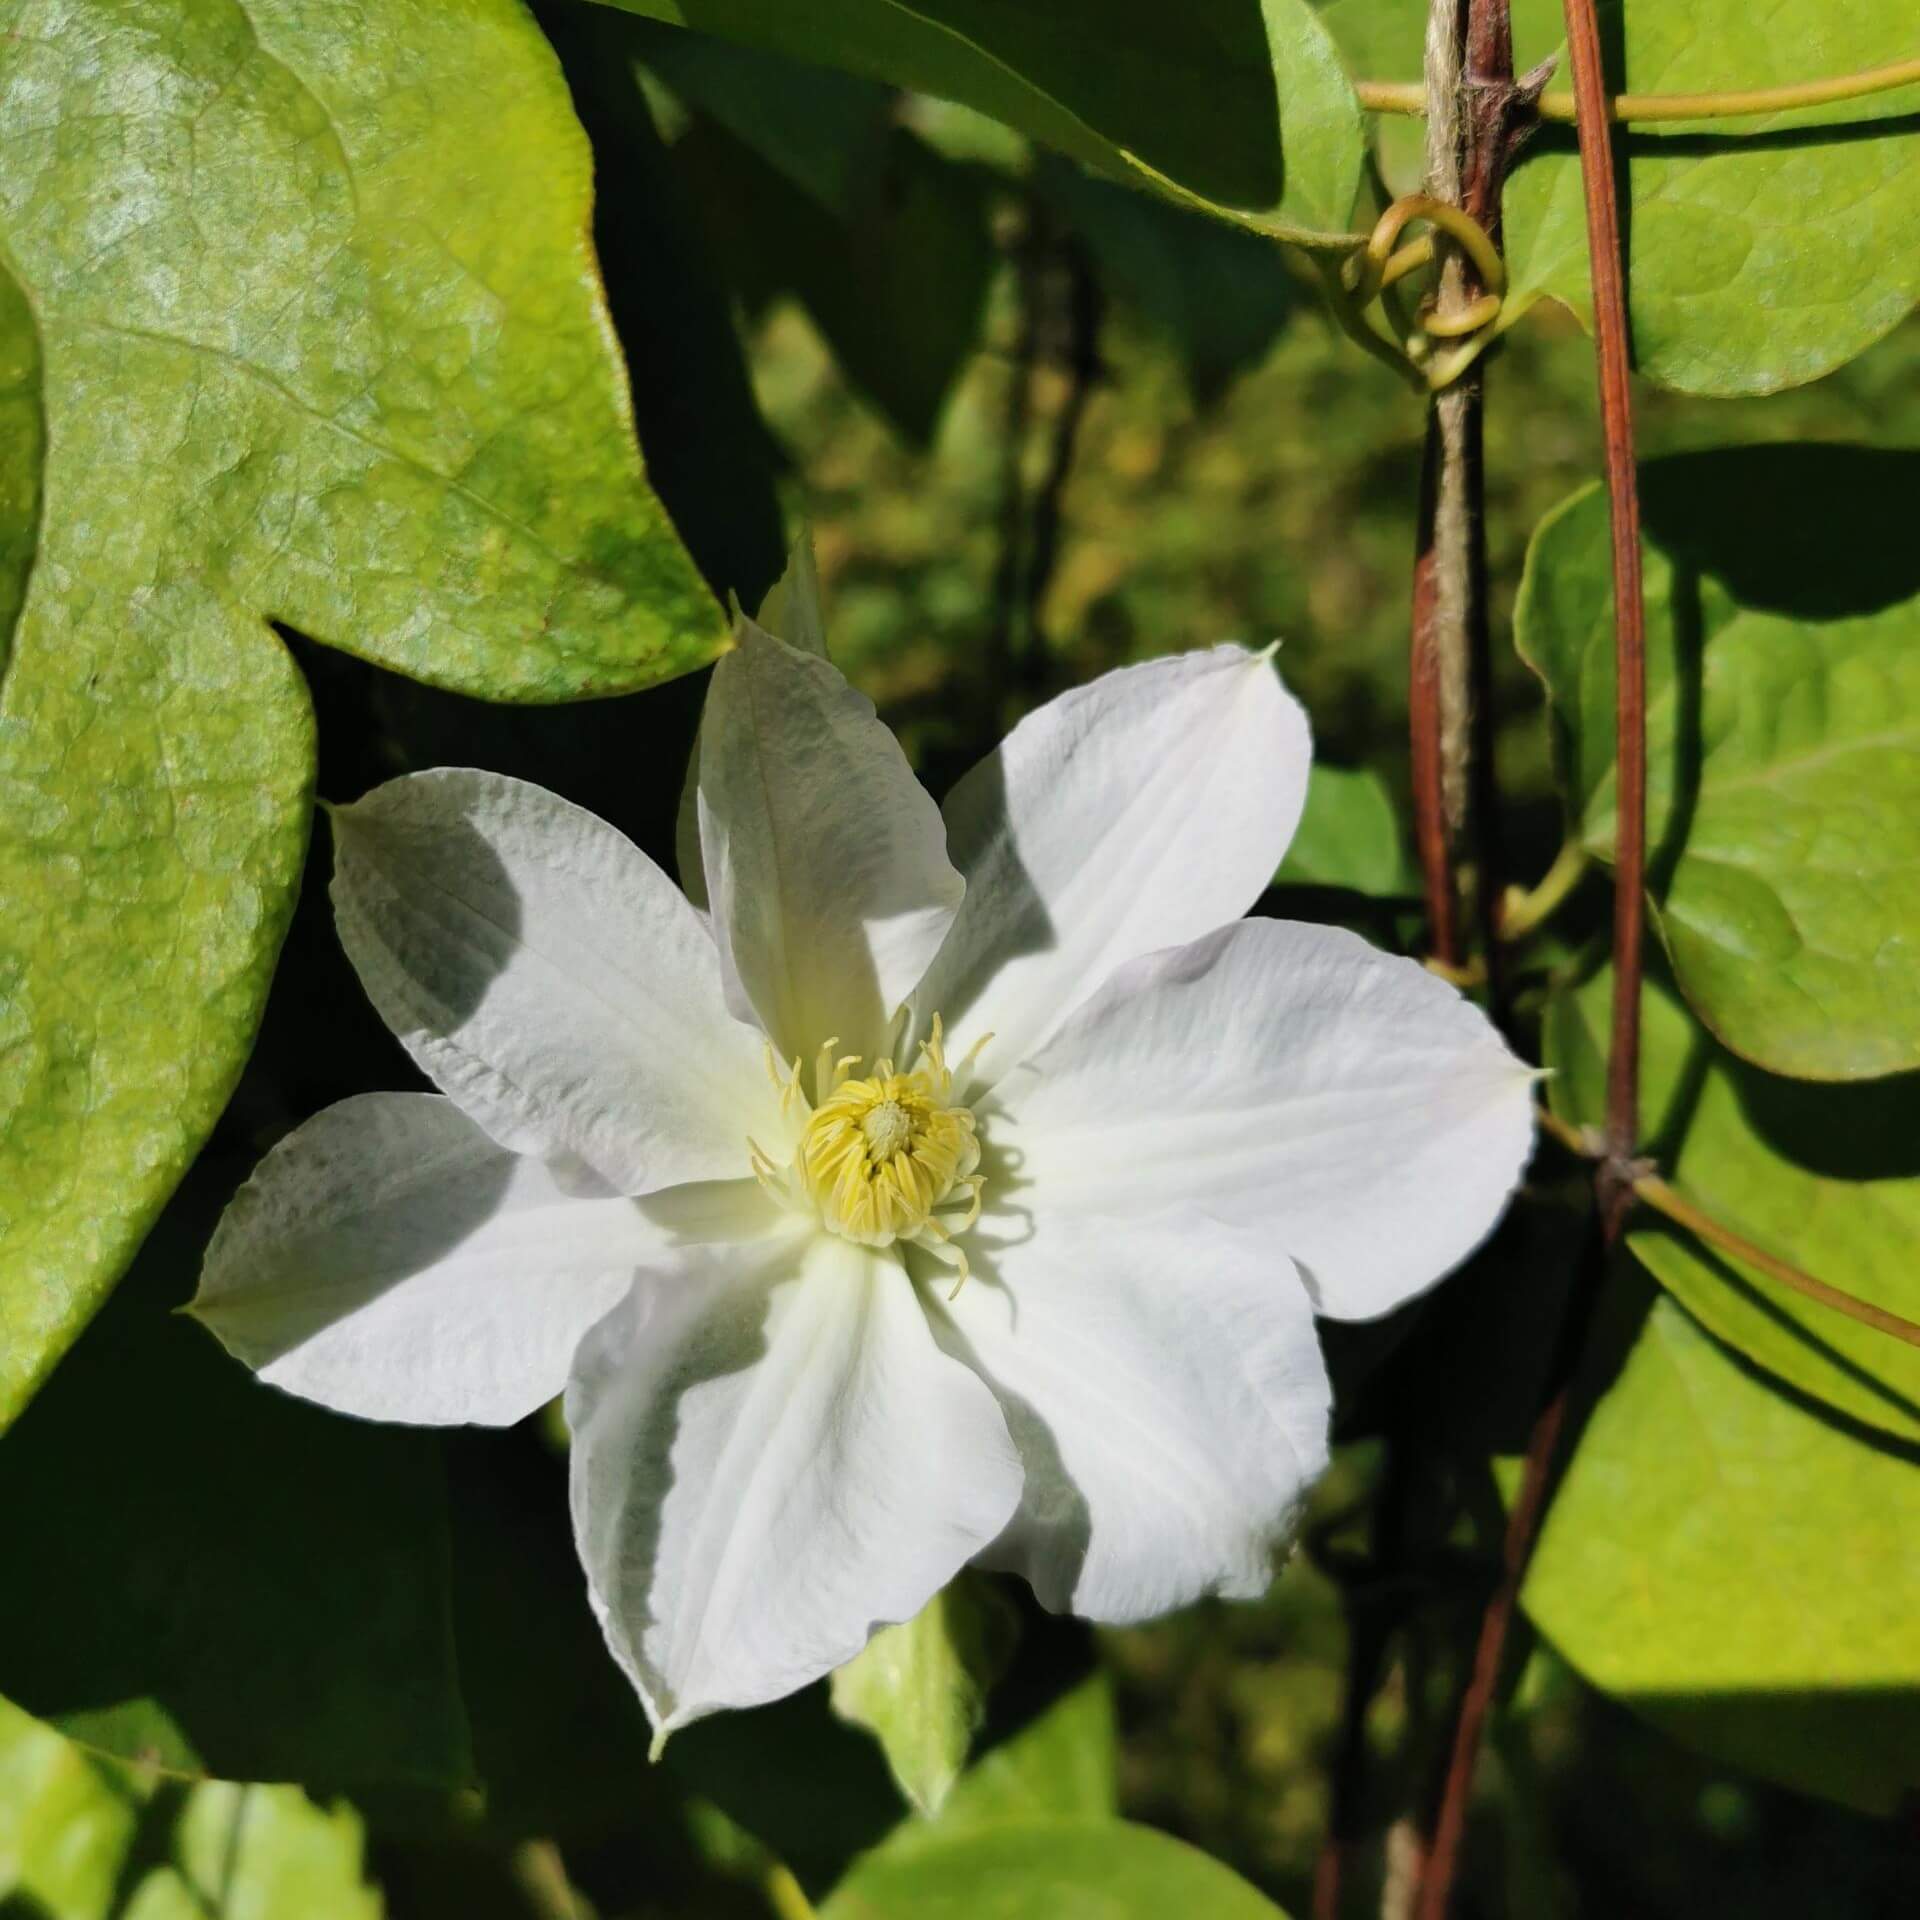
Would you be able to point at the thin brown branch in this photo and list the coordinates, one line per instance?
(1616, 1172)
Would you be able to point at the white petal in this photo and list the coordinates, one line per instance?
(549, 977)
(1288, 1078)
(791, 612)
(388, 1259)
(825, 859)
(762, 1477)
(1129, 815)
(1162, 1380)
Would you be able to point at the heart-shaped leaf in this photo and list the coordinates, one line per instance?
(1741, 1570)
(1783, 786)
(298, 320)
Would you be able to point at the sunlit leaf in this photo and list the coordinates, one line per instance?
(1046, 1870)
(1827, 1178)
(312, 325)
(1763, 252)
(82, 1839)
(1741, 1570)
(1783, 789)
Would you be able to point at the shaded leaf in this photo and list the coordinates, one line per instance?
(319, 336)
(1219, 296)
(216, 1577)
(1783, 792)
(920, 1688)
(1827, 1178)
(1242, 104)
(1740, 1570)
(898, 290)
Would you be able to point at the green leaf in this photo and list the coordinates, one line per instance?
(1218, 295)
(216, 1577)
(79, 1840)
(1062, 1765)
(1741, 1571)
(1243, 108)
(1783, 787)
(1828, 1178)
(1046, 1870)
(1762, 252)
(825, 131)
(920, 1688)
(306, 311)
(1349, 836)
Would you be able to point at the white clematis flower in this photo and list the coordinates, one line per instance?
(954, 1190)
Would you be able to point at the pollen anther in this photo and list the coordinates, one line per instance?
(884, 1157)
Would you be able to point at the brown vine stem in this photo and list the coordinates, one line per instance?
(1616, 1172)
(1393, 96)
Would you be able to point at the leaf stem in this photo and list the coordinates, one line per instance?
(1409, 97)
(1658, 1195)
(1524, 909)
(1663, 1198)
(786, 1896)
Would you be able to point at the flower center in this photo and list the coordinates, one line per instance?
(890, 1156)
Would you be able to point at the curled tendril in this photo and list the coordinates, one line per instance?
(1467, 332)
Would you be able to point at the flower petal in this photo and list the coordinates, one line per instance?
(825, 859)
(791, 612)
(1163, 1382)
(769, 1464)
(1129, 815)
(1287, 1078)
(389, 1259)
(549, 977)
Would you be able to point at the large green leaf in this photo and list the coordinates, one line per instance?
(1762, 253)
(1046, 1870)
(1241, 104)
(1783, 790)
(1825, 1177)
(1741, 1571)
(305, 308)
(84, 1840)
(210, 1575)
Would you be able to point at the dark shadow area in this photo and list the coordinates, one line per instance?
(186, 1525)
(1802, 528)
(709, 456)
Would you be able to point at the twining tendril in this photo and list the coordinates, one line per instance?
(1383, 261)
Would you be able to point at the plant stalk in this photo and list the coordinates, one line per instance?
(1616, 1173)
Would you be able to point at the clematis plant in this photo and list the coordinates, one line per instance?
(915, 1189)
